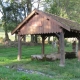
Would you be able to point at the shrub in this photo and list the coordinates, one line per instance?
(24, 78)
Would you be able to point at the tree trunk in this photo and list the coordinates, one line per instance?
(24, 38)
(49, 39)
(6, 33)
(29, 8)
(38, 4)
(36, 39)
(6, 37)
(32, 38)
(16, 37)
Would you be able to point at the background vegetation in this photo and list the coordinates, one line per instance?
(13, 12)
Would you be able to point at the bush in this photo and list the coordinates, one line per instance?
(24, 78)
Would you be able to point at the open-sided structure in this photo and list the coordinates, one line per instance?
(45, 24)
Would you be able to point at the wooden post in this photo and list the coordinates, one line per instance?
(43, 39)
(58, 45)
(62, 52)
(19, 48)
(78, 48)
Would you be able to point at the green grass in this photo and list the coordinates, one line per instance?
(8, 74)
(8, 58)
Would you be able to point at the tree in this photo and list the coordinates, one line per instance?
(13, 14)
(9, 17)
(64, 8)
(4, 19)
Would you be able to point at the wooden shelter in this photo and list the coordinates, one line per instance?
(45, 24)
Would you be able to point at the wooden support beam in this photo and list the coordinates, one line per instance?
(78, 43)
(43, 40)
(19, 48)
(58, 46)
(78, 48)
(62, 52)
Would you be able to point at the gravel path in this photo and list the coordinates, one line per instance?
(31, 71)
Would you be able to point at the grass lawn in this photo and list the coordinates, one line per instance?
(8, 58)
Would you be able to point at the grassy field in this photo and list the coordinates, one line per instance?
(8, 58)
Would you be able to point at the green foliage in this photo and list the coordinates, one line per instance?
(64, 8)
(52, 7)
(24, 78)
(13, 12)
